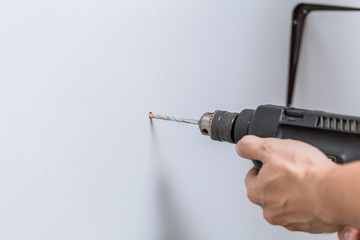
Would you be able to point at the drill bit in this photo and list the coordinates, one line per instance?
(174, 119)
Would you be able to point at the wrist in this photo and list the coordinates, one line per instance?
(327, 197)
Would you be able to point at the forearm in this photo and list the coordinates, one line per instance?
(340, 195)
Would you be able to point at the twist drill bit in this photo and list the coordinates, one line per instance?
(174, 119)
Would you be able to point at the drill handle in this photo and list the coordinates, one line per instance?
(257, 164)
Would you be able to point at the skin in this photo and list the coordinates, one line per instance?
(299, 188)
(349, 233)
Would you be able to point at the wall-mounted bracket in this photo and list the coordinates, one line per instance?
(298, 21)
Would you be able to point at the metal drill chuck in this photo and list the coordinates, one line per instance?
(218, 125)
(205, 123)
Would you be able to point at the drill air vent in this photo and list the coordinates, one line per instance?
(348, 125)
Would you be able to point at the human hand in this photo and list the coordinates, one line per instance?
(288, 186)
(349, 233)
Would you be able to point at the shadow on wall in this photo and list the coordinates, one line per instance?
(170, 222)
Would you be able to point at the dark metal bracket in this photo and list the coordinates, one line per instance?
(298, 21)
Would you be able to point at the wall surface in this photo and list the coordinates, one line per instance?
(79, 157)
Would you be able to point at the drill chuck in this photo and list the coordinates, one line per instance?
(220, 125)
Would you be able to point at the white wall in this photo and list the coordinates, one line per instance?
(79, 157)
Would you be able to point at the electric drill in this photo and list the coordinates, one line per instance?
(338, 136)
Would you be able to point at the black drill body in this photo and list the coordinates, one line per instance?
(338, 136)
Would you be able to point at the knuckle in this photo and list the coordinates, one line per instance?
(268, 149)
(268, 154)
(252, 195)
(268, 146)
(292, 227)
(270, 218)
(266, 200)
